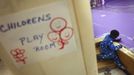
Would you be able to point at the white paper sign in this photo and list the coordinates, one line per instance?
(38, 34)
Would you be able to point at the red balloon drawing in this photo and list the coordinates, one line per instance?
(58, 24)
(60, 32)
(18, 55)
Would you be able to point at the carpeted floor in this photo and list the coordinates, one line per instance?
(116, 14)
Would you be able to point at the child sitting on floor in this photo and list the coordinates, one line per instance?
(108, 51)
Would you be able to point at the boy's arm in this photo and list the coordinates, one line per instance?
(113, 47)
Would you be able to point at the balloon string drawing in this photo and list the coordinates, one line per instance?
(60, 33)
(18, 55)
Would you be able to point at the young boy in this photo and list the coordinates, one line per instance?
(108, 51)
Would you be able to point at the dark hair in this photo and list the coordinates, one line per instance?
(114, 34)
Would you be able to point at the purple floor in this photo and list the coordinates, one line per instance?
(116, 14)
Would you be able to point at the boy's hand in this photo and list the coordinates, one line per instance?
(120, 46)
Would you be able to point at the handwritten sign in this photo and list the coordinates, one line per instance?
(38, 34)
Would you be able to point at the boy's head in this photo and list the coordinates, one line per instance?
(114, 34)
